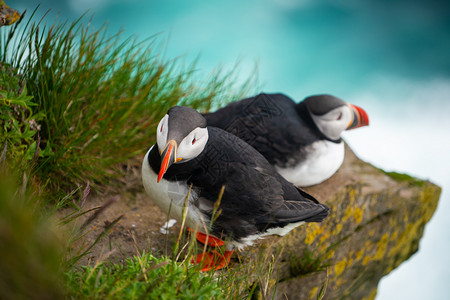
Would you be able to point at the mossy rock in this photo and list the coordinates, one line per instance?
(8, 15)
(377, 219)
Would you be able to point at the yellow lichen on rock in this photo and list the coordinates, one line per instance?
(375, 223)
(352, 210)
(337, 229)
(339, 267)
(313, 230)
(313, 292)
(359, 254)
(8, 15)
(371, 295)
(358, 215)
(382, 247)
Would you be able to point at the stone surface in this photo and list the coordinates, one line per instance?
(376, 222)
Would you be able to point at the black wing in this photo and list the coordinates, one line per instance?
(256, 197)
(268, 122)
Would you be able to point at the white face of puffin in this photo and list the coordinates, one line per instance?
(181, 135)
(190, 147)
(343, 117)
(334, 122)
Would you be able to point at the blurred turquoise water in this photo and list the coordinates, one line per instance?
(301, 47)
(390, 57)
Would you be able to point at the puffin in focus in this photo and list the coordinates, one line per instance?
(302, 141)
(232, 192)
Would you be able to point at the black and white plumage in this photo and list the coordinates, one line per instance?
(256, 200)
(302, 141)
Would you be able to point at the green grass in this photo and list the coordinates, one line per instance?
(31, 250)
(308, 262)
(143, 277)
(404, 177)
(100, 96)
(19, 126)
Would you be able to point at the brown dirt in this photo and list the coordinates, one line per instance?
(141, 218)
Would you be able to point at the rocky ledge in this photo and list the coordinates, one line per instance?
(376, 222)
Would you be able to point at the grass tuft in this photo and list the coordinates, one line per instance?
(308, 262)
(143, 276)
(100, 96)
(18, 125)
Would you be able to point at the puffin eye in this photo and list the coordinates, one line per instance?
(339, 117)
(193, 141)
(161, 128)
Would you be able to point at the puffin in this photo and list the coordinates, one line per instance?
(301, 140)
(222, 187)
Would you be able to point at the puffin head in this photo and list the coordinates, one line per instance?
(332, 115)
(181, 136)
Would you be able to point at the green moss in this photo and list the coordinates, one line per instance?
(401, 177)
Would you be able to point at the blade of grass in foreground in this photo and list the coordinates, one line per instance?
(31, 250)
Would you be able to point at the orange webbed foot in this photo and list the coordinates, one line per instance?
(212, 260)
(208, 240)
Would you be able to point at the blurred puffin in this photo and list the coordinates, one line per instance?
(199, 164)
(302, 141)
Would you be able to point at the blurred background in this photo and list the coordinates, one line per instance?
(389, 57)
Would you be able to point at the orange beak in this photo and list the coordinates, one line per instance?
(168, 158)
(360, 117)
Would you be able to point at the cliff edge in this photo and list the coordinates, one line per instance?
(376, 222)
